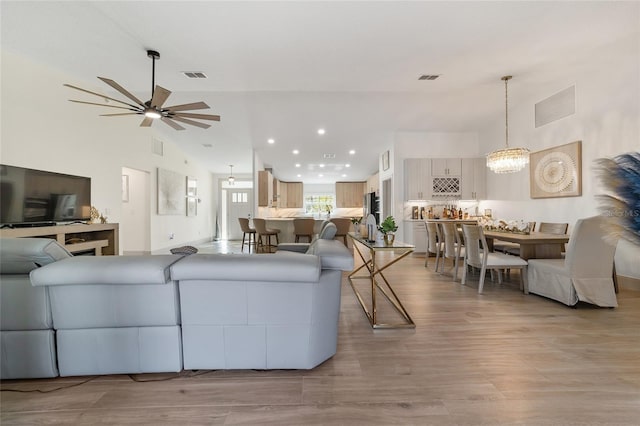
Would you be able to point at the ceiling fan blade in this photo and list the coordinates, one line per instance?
(193, 123)
(200, 116)
(147, 122)
(102, 96)
(172, 123)
(160, 95)
(122, 90)
(187, 107)
(123, 113)
(104, 105)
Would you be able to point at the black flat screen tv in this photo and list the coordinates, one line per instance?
(32, 197)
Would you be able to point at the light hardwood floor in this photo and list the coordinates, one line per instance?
(501, 358)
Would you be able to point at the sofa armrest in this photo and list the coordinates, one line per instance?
(22, 255)
(112, 270)
(333, 254)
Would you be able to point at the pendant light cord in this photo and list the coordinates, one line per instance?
(506, 110)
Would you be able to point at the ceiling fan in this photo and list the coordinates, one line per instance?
(153, 109)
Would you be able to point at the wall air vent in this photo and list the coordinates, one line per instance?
(207, 145)
(194, 74)
(428, 76)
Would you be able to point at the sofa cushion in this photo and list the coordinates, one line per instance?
(238, 267)
(110, 270)
(22, 255)
(333, 254)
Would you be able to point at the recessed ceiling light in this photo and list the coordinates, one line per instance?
(295, 152)
(271, 141)
(321, 165)
(321, 131)
(320, 175)
(347, 165)
(297, 164)
(353, 151)
(344, 175)
(299, 175)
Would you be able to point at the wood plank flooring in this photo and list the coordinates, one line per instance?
(502, 358)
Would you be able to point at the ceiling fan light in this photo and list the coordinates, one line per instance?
(152, 113)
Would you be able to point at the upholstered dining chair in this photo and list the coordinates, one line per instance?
(263, 231)
(586, 272)
(477, 256)
(452, 246)
(303, 227)
(247, 230)
(433, 245)
(343, 225)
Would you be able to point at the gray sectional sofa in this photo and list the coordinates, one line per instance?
(138, 314)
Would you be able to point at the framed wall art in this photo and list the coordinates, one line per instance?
(557, 172)
(192, 196)
(385, 160)
(171, 193)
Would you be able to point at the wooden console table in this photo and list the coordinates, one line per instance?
(102, 238)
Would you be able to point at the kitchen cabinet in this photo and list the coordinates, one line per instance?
(350, 194)
(373, 184)
(276, 193)
(446, 167)
(474, 179)
(265, 188)
(415, 232)
(417, 179)
(290, 195)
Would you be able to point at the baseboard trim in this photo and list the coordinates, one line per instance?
(629, 283)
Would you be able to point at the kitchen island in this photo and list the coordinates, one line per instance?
(285, 225)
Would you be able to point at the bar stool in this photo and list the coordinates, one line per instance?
(303, 228)
(246, 229)
(342, 227)
(262, 230)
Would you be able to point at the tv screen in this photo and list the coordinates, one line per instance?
(32, 196)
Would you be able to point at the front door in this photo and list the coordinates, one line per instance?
(238, 205)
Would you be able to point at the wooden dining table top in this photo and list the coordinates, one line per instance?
(532, 238)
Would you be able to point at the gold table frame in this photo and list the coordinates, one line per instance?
(374, 271)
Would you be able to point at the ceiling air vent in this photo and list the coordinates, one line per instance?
(329, 155)
(428, 76)
(194, 74)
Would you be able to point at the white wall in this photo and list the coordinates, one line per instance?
(42, 130)
(606, 121)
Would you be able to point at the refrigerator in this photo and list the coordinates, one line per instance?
(371, 206)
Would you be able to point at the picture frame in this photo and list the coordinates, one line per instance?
(192, 196)
(385, 160)
(556, 172)
(171, 193)
(125, 188)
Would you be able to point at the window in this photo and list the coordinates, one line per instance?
(319, 203)
(239, 197)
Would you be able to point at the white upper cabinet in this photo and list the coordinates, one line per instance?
(474, 179)
(446, 167)
(417, 179)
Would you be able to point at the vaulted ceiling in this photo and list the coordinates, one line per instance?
(282, 70)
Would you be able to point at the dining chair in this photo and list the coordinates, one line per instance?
(343, 225)
(247, 230)
(263, 231)
(433, 245)
(303, 227)
(452, 246)
(481, 258)
(585, 274)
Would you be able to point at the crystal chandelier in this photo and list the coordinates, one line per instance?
(507, 160)
(231, 179)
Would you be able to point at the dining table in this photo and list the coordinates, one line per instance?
(535, 245)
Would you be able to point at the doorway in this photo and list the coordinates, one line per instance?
(236, 201)
(135, 218)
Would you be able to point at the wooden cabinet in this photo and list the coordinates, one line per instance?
(265, 188)
(350, 194)
(417, 179)
(276, 193)
(446, 167)
(474, 179)
(99, 238)
(294, 197)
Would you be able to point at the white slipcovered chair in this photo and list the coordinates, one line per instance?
(434, 246)
(452, 246)
(586, 274)
(477, 255)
